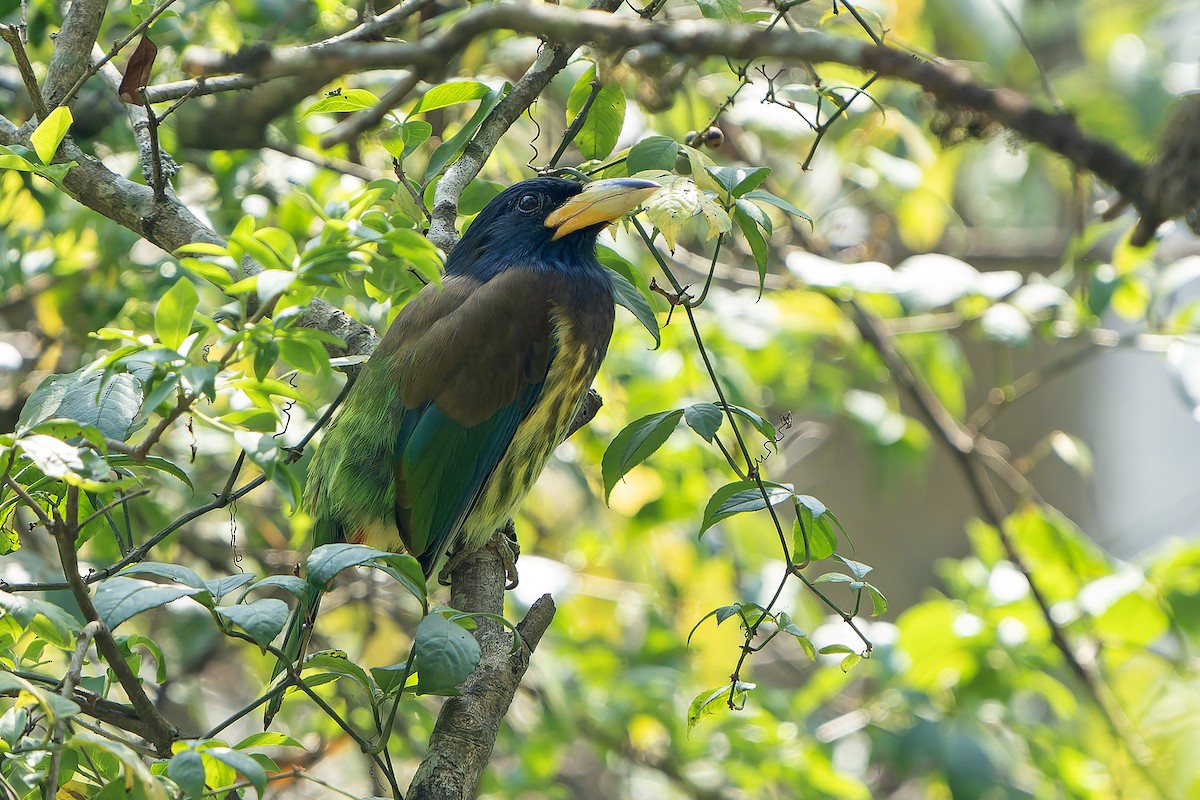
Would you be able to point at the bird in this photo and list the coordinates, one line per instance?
(473, 386)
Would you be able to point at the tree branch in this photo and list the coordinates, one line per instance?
(71, 59)
(953, 85)
(462, 739)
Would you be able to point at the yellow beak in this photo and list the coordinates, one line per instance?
(600, 202)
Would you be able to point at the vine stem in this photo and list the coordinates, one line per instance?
(751, 630)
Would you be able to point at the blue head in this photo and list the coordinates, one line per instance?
(545, 224)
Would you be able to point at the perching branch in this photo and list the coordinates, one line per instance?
(462, 739)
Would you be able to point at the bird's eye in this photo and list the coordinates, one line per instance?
(528, 203)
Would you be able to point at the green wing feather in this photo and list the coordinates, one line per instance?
(436, 406)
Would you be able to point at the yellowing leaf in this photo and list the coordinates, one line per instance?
(677, 202)
(716, 217)
(50, 133)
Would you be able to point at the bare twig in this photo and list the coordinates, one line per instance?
(160, 733)
(12, 35)
(82, 642)
(158, 180)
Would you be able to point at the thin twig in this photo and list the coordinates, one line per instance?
(11, 35)
(158, 180)
(576, 124)
(161, 733)
(74, 669)
(42, 516)
(120, 501)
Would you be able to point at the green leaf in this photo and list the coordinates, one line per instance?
(128, 643)
(325, 562)
(117, 599)
(54, 457)
(722, 613)
(419, 252)
(111, 404)
(740, 497)
(760, 423)
(477, 195)
(858, 569)
(156, 463)
(343, 100)
(338, 663)
(812, 531)
(879, 603)
(219, 587)
(186, 768)
(50, 132)
(739, 180)
(758, 244)
(55, 705)
(173, 572)
(262, 619)
(250, 769)
(389, 678)
(450, 148)
(402, 140)
(635, 444)
(289, 583)
(653, 152)
(449, 94)
(207, 270)
(444, 655)
(721, 9)
(46, 620)
(778, 202)
(138, 783)
(173, 316)
(788, 626)
(11, 158)
(627, 296)
(267, 739)
(711, 701)
(406, 571)
(704, 419)
(605, 117)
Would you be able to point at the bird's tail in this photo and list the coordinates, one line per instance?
(299, 628)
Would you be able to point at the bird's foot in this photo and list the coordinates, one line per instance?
(503, 543)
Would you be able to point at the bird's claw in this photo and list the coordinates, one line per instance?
(504, 541)
(504, 544)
